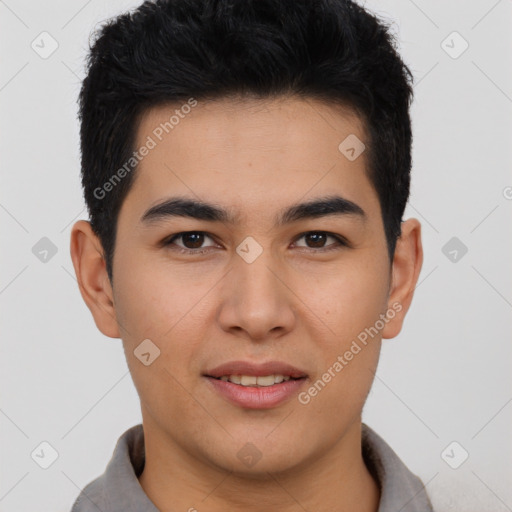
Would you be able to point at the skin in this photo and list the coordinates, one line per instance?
(294, 303)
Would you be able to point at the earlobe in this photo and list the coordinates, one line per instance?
(92, 277)
(406, 267)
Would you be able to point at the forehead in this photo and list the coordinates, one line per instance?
(249, 153)
(253, 122)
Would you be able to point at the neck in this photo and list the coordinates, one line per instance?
(336, 481)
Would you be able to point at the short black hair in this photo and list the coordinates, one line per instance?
(173, 50)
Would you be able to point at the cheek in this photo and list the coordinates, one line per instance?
(346, 299)
(156, 307)
(355, 299)
(348, 351)
(152, 296)
(166, 306)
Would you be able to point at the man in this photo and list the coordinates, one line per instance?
(246, 165)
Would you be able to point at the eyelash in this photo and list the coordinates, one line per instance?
(341, 242)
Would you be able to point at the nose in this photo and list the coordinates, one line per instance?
(256, 302)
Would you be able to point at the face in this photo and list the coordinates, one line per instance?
(256, 285)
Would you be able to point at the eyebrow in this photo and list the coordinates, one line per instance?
(195, 209)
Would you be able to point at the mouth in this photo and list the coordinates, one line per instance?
(246, 373)
(262, 381)
(256, 386)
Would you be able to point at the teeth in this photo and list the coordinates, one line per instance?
(251, 380)
(263, 381)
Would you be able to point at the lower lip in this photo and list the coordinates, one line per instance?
(257, 397)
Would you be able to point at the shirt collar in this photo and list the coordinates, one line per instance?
(118, 488)
(401, 490)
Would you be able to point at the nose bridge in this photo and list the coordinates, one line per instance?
(255, 299)
(255, 280)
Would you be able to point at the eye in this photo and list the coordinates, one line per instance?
(192, 241)
(318, 239)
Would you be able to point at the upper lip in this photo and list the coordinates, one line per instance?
(257, 370)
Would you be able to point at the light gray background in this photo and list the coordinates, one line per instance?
(445, 378)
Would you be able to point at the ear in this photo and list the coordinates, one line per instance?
(406, 266)
(93, 282)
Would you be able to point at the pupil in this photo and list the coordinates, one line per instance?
(319, 237)
(198, 242)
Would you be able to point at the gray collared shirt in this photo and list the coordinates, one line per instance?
(118, 488)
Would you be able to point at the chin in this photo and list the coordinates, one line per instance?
(255, 456)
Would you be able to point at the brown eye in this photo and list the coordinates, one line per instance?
(318, 239)
(190, 240)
